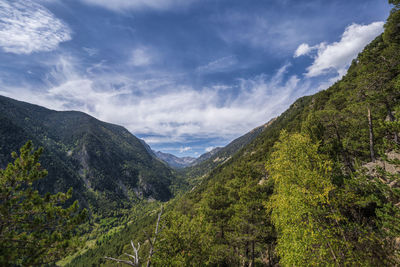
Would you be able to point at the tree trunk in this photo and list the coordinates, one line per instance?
(343, 151)
(371, 135)
(246, 255)
(270, 258)
(252, 253)
(152, 243)
(391, 119)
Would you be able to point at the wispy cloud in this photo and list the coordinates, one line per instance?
(336, 57)
(185, 149)
(27, 27)
(219, 65)
(123, 5)
(141, 57)
(91, 51)
(259, 31)
(178, 112)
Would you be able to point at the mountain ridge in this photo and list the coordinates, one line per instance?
(101, 161)
(174, 161)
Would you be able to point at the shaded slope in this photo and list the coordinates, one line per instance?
(335, 118)
(104, 163)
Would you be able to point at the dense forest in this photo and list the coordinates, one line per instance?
(317, 186)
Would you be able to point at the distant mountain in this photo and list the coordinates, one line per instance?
(174, 161)
(208, 161)
(206, 156)
(106, 165)
(237, 185)
(195, 167)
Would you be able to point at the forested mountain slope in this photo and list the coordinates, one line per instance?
(208, 161)
(106, 165)
(298, 193)
(174, 161)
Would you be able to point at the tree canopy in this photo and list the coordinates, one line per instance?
(34, 229)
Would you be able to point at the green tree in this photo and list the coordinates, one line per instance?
(185, 241)
(252, 232)
(217, 210)
(300, 204)
(34, 229)
(394, 2)
(319, 223)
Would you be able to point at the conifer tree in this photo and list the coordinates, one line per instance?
(34, 229)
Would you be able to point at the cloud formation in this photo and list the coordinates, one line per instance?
(185, 149)
(178, 113)
(219, 65)
(336, 57)
(141, 57)
(27, 27)
(303, 49)
(208, 149)
(121, 5)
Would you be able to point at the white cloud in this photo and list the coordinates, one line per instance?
(163, 139)
(219, 65)
(302, 50)
(260, 30)
(336, 57)
(208, 149)
(174, 113)
(91, 51)
(141, 57)
(122, 5)
(185, 149)
(27, 27)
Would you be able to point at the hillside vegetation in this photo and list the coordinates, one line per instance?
(107, 166)
(319, 186)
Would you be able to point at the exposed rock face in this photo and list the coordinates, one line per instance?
(389, 166)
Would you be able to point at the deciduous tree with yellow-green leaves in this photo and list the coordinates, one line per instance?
(300, 204)
(322, 223)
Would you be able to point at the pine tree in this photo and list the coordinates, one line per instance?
(252, 231)
(34, 229)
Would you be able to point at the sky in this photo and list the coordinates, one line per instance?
(184, 75)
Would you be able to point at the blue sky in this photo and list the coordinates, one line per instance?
(184, 75)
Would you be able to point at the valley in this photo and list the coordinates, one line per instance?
(317, 185)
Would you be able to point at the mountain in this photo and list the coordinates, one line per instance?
(235, 207)
(105, 164)
(339, 215)
(208, 161)
(206, 156)
(174, 161)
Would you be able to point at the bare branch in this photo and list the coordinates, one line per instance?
(122, 261)
(135, 257)
(155, 238)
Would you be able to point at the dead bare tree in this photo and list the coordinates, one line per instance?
(371, 136)
(152, 243)
(135, 258)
